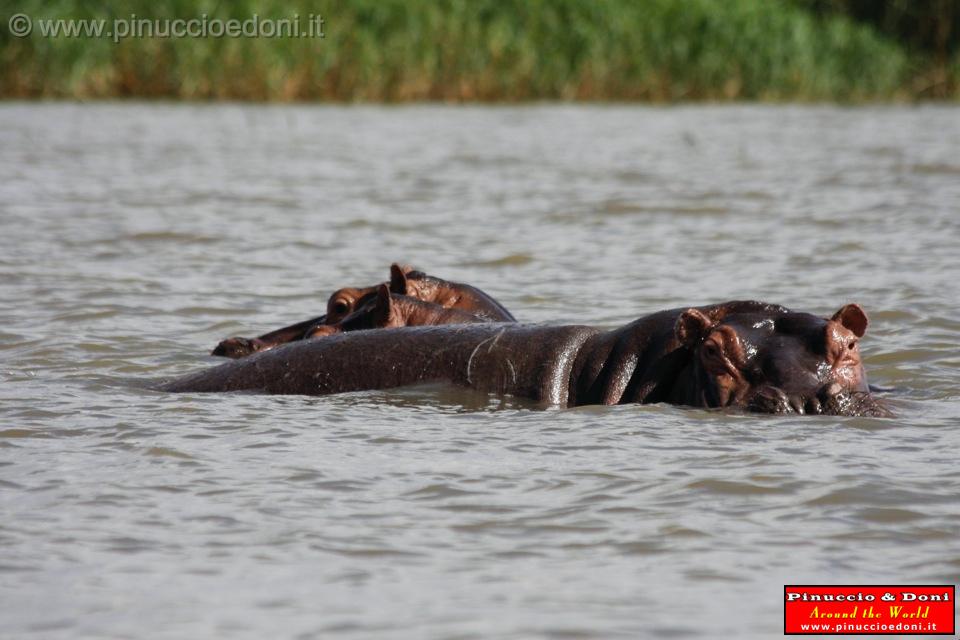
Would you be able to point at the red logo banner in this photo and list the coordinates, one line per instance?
(869, 609)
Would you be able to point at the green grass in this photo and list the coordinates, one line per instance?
(469, 50)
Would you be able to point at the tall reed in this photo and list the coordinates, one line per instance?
(460, 50)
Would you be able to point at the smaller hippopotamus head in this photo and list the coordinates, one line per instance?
(369, 311)
(384, 310)
(344, 302)
(768, 359)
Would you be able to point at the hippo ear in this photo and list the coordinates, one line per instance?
(692, 327)
(382, 307)
(398, 279)
(405, 268)
(853, 317)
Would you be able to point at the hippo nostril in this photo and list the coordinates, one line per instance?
(235, 347)
(770, 400)
(814, 407)
(796, 403)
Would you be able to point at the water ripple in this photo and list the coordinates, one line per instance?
(139, 235)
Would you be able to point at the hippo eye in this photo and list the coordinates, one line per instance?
(711, 350)
(340, 306)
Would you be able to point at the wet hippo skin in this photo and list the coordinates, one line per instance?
(340, 304)
(523, 360)
(456, 296)
(386, 310)
(447, 294)
(743, 354)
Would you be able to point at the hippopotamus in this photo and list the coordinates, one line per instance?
(404, 280)
(745, 355)
(388, 309)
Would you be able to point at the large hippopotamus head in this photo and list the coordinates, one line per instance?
(769, 359)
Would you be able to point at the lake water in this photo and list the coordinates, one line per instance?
(136, 236)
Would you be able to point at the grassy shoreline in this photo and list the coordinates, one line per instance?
(476, 50)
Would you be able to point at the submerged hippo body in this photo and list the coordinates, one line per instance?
(750, 355)
(522, 360)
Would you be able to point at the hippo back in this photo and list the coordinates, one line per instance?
(523, 360)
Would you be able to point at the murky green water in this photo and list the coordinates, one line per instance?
(134, 237)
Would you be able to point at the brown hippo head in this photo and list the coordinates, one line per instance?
(384, 309)
(345, 301)
(367, 311)
(768, 359)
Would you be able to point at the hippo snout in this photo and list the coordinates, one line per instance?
(830, 399)
(770, 399)
(236, 347)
